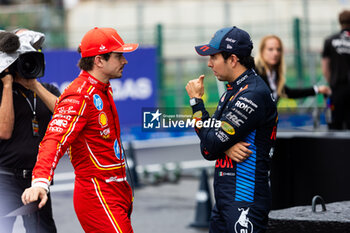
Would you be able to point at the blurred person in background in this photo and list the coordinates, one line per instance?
(336, 70)
(248, 114)
(86, 121)
(269, 64)
(26, 107)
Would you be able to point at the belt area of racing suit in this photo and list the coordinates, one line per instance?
(117, 175)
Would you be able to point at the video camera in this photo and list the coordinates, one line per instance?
(24, 59)
(29, 65)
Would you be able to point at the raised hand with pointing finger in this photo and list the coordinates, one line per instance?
(195, 87)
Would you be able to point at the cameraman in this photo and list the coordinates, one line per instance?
(26, 108)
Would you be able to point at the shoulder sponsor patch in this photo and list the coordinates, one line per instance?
(98, 102)
(227, 128)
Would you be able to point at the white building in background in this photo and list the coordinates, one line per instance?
(190, 22)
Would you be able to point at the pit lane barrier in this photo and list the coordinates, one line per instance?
(152, 174)
(204, 203)
(131, 163)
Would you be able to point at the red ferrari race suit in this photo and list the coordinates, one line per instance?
(86, 120)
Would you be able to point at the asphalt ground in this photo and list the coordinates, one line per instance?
(165, 207)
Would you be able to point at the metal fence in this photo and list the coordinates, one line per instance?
(178, 60)
(39, 17)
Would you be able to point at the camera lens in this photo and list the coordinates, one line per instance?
(31, 65)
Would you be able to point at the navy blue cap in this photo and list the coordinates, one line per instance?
(230, 39)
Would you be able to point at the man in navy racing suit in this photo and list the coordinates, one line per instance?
(242, 144)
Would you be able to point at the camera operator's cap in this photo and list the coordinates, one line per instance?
(231, 40)
(104, 40)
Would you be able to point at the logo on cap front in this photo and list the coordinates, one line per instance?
(230, 40)
(102, 48)
(204, 48)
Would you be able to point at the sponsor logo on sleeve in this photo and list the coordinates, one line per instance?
(227, 128)
(55, 129)
(240, 113)
(222, 136)
(66, 110)
(233, 118)
(70, 101)
(59, 123)
(197, 115)
(67, 117)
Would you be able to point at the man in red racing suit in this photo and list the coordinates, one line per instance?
(86, 123)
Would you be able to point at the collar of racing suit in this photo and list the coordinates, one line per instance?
(238, 81)
(95, 82)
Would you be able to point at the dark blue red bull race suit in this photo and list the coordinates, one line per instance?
(247, 112)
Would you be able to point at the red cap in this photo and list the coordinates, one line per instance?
(104, 40)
